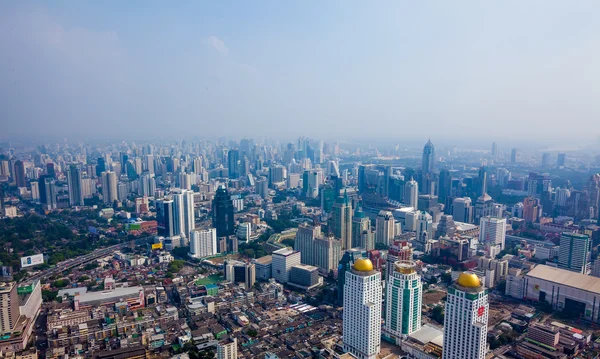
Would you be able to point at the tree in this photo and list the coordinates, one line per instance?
(437, 314)
(252, 333)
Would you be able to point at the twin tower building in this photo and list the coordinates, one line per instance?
(466, 313)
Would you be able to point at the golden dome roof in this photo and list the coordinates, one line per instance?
(363, 265)
(469, 280)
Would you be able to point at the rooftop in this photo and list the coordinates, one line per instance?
(108, 294)
(567, 278)
(284, 252)
(264, 260)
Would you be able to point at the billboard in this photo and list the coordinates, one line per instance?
(6, 271)
(32, 260)
(157, 246)
(25, 289)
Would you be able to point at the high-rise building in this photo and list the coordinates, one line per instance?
(424, 227)
(411, 193)
(384, 228)
(514, 155)
(222, 213)
(75, 186)
(50, 171)
(342, 221)
(574, 254)
(310, 183)
(362, 310)
(561, 160)
(562, 196)
(348, 258)
(403, 301)
(183, 211)
(203, 243)
(494, 151)
(305, 239)
(19, 174)
(47, 189)
(462, 210)
(35, 190)
(492, 231)
(445, 227)
(262, 187)
(428, 159)
(233, 163)
(360, 223)
(327, 254)
(545, 161)
(9, 306)
(165, 217)
(445, 188)
(109, 187)
(282, 262)
(531, 209)
(277, 174)
(398, 251)
(240, 272)
(466, 319)
(227, 349)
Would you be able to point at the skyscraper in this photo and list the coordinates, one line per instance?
(342, 221)
(428, 160)
(233, 160)
(574, 252)
(345, 265)
(445, 187)
(545, 161)
(19, 174)
(9, 307)
(165, 218)
(492, 231)
(362, 310)
(384, 228)
(305, 239)
(561, 160)
(424, 227)
(466, 319)
(360, 223)
(462, 210)
(411, 193)
(282, 262)
(494, 151)
(403, 301)
(75, 186)
(109, 187)
(183, 211)
(203, 243)
(47, 189)
(222, 213)
(327, 252)
(514, 155)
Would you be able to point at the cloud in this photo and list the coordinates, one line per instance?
(216, 44)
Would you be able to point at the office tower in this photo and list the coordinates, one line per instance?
(149, 163)
(9, 307)
(203, 243)
(240, 272)
(47, 192)
(403, 301)
(35, 190)
(494, 151)
(262, 187)
(514, 155)
(183, 212)
(466, 319)
(348, 258)
(310, 183)
(384, 228)
(277, 174)
(562, 196)
(444, 187)
(424, 227)
(545, 161)
(305, 238)
(123, 158)
(362, 310)
(50, 171)
(428, 160)
(233, 159)
(227, 349)
(282, 262)
(185, 180)
(483, 207)
(4, 169)
(574, 252)
(462, 210)
(492, 231)
(362, 179)
(74, 182)
(165, 217)
(537, 184)
(482, 180)
(147, 185)
(109, 187)
(342, 221)
(411, 193)
(327, 252)
(222, 213)
(19, 174)
(100, 166)
(561, 160)
(445, 227)
(531, 209)
(360, 224)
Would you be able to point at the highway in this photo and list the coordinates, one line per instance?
(76, 262)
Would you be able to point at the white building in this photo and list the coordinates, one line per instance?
(227, 349)
(362, 310)
(183, 212)
(411, 193)
(403, 301)
(492, 231)
(109, 187)
(203, 243)
(574, 252)
(384, 228)
(466, 318)
(244, 231)
(282, 262)
(462, 210)
(424, 227)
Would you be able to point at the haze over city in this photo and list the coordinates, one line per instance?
(388, 70)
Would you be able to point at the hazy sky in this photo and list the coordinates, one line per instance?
(331, 69)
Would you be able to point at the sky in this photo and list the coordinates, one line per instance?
(389, 70)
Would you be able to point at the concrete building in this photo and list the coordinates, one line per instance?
(574, 252)
(264, 268)
(282, 261)
(327, 254)
(227, 349)
(240, 272)
(305, 238)
(9, 306)
(492, 231)
(466, 319)
(305, 277)
(403, 301)
(342, 221)
(183, 212)
(462, 210)
(109, 187)
(360, 223)
(203, 243)
(411, 193)
(384, 228)
(362, 310)
(424, 227)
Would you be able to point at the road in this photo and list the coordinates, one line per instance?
(76, 262)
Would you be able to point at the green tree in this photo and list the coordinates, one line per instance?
(437, 314)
